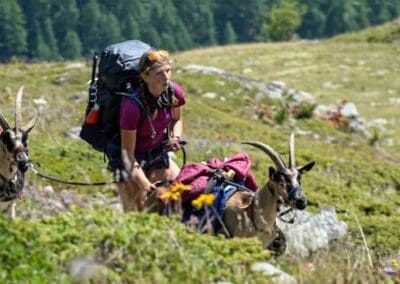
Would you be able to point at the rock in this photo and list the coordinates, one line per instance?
(209, 95)
(86, 270)
(349, 110)
(277, 275)
(48, 191)
(76, 65)
(40, 101)
(312, 231)
(73, 132)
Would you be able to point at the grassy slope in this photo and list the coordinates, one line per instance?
(350, 175)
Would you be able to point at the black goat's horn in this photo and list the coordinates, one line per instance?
(275, 157)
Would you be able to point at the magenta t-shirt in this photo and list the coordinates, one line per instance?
(129, 119)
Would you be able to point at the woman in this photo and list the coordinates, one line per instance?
(144, 137)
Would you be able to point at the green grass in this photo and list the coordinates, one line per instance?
(359, 180)
(387, 33)
(144, 248)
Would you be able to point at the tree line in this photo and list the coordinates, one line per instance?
(70, 29)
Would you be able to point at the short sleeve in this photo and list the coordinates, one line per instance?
(179, 95)
(129, 115)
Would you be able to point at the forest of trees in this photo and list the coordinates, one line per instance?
(69, 29)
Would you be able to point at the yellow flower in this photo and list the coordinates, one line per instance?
(175, 195)
(205, 199)
(393, 263)
(166, 195)
(170, 195)
(179, 187)
(208, 199)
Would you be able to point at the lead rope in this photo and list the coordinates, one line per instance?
(32, 168)
(282, 213)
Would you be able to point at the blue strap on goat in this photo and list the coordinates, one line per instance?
(223, 189)
(215, 213)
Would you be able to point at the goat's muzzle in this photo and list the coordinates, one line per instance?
(22, 159)
(297, 199)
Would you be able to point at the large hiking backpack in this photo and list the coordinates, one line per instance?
(117, 75)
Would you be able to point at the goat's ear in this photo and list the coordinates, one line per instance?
(28, 127)
(307, 167)
(3, 122)
(272, 172)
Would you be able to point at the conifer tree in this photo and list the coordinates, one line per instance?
(110, 30)
(246, 17)
(64, 16)
(12, 31)
(341, 17)
(152, 37)
(50, 39)
(198, 18)
(130, 28)
(229, 35)
(71, 46)
(182, 36)
(38, 46)
(90, 26)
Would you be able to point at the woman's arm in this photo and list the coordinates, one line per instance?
(177, 124)
(128, 143)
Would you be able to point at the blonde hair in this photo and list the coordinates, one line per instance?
(152, 59)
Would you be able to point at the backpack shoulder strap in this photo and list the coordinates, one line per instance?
(136, 99)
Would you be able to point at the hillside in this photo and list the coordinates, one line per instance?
(386, 33)
(358, 179)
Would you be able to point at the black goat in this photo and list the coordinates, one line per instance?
(14, 160)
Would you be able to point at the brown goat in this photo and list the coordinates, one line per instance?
(249, 216)
(14, 160)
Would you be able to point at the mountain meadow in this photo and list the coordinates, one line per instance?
(77, 234)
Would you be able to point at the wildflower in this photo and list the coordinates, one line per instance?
(205, 199)
(169, 195)
(394, 264)
(179, 187)
(174, 192)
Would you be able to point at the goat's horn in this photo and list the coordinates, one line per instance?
(269, 151)
(3, 122)
(291, 152)
(18, 106)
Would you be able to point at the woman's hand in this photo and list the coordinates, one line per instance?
(173, 144)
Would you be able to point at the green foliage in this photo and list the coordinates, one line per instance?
(349, 174)
(126, 247)
(39, 29)
(304, 111)
(282, 22)
(245, 17)
(229, 35)
(71, 46)
(281, 115)
(12, 30)
(130, 28)
(387, 33)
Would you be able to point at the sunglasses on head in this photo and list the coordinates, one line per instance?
(157, 55)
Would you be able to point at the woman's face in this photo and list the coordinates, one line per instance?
(158, 78)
